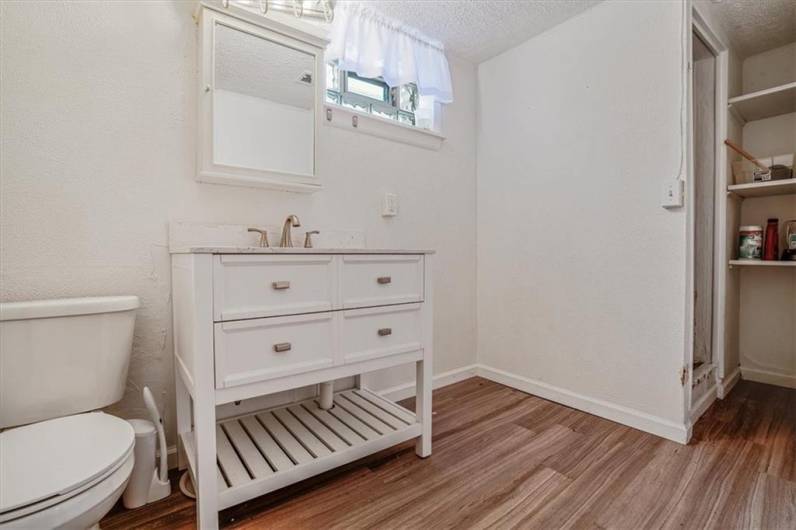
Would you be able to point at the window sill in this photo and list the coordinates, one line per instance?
(345, 118)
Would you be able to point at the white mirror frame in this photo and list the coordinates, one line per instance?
(208, 16)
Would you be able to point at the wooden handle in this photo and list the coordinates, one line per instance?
(383, 280)
(740, 150)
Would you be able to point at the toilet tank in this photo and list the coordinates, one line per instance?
(61, 357)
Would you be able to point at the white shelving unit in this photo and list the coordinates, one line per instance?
(764, 189)
(761, 263)
(264, 451)
(765, 103)
(751, 291)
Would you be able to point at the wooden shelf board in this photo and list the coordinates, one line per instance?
(766, 103)
(764, 189)
(267, 450)
(761, 263)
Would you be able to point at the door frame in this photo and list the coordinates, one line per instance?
(697, 24)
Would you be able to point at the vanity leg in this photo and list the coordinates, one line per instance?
(423, 407)
(183, 417)
(207, 481)
(358, 381)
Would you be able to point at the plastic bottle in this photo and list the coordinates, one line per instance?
(771, 242)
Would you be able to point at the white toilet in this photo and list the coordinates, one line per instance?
(62, 465)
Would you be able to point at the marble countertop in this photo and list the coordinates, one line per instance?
(295, 250)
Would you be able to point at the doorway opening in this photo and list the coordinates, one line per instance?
(704, 109)
(707, 114)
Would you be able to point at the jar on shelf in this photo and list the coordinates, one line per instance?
(750, 242)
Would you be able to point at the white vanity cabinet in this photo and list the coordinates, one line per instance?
(253, 322)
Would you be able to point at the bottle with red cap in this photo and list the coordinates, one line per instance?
(771, 242)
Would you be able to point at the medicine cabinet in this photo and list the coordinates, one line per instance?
(260, 91)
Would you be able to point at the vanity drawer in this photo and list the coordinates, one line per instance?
(381, 280)
(251, 286)
(255, 350)
(381, 331)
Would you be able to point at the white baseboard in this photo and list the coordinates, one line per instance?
(703, 403)
(171, 457)
(406, 390)
(769, 378)
(611, 411)
(726, 385)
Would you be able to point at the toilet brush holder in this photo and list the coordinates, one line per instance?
(137, 492)
(146, 483)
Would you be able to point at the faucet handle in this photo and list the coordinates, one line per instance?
(308, 238)
(263, 236)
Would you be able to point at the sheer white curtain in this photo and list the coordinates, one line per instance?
(372, 45)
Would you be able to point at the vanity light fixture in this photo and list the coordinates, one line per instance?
(298, 8)
(322, 9)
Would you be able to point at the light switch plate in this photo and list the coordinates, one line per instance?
(673, 194)
(389, 205)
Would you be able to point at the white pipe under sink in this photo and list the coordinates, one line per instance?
(326, 400)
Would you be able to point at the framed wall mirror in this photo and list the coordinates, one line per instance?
(260, 95)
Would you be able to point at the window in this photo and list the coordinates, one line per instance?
(373, 96)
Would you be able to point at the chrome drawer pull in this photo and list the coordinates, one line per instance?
(383, 332)
(282, 346)
(383, 280)
(280, 285)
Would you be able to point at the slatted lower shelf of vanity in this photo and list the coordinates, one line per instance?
(268, 450)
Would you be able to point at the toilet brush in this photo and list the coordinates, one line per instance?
(161, 487)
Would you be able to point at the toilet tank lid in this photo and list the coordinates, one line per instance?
(64, 307)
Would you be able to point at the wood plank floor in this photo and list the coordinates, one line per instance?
(506, 459)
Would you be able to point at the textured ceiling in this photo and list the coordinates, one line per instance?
(480, 29)
(755, 26)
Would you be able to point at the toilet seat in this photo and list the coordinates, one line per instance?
(46, 463)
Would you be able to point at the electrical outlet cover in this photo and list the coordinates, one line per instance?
(672, 194)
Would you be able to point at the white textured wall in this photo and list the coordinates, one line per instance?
(98, 116)
(770, 68)
(581, 273)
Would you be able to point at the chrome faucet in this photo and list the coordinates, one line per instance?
(287, 238)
